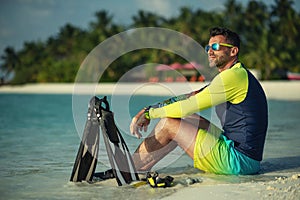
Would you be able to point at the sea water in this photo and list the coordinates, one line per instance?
(40, 135)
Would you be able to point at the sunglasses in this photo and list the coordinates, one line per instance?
(216, 46)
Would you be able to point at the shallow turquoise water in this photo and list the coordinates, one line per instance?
(39, 141)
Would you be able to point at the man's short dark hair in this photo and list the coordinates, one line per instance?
(231, 37)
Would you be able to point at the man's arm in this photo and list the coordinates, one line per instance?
(141, 120)
(176, 98)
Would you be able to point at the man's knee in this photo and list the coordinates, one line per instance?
(168, 126)
(169, 123)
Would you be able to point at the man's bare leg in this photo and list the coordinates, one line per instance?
(165, 137)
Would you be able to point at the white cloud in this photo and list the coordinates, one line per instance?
(160, 7)
(168, 8)
(4, 32)
(37, 8)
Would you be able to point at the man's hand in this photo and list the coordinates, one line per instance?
(139, 123)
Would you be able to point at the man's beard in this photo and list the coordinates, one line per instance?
(219, 62)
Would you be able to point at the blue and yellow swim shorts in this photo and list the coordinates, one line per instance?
(215, 153)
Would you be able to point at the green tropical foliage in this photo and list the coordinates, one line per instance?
(270, 40)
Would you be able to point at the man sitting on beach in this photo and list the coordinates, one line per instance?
(241, 107)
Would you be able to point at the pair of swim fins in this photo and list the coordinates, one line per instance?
(122, 166)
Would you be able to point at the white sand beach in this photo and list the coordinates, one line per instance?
(283, 90)
(275, 184)
(285, 186)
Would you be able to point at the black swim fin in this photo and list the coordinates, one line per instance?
(86, 159)
(119, 156)
(123, 168)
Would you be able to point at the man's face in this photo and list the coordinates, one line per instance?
(220, 57)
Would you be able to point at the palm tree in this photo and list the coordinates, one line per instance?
(285, 33)
(232, 15)
(103, 27)
(10, 61)
(147, 19)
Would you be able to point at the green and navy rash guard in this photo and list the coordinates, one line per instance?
(241, 107)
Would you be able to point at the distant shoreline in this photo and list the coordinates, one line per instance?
(281, 90)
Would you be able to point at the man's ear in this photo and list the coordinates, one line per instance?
(234, 51)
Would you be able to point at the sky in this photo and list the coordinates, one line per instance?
(32, 20)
